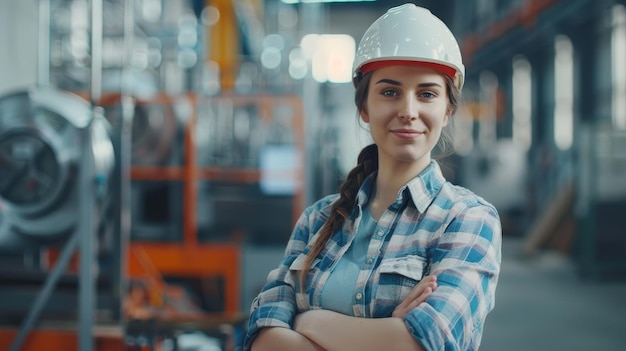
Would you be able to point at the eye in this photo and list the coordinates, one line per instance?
(427, 95)
(389, 92)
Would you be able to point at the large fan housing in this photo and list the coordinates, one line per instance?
(41, 133)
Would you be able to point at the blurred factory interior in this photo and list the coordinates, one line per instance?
(154, 155)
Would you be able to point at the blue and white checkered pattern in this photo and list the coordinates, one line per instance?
(433, 227)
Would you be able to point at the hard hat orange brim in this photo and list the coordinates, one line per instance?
(372, 66)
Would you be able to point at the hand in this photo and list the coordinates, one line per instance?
(419, 294)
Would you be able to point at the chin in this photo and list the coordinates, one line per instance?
(405, 157)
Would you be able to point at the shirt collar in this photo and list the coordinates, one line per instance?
(421, 189)
(425, 186)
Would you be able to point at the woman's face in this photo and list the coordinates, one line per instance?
(406, 108)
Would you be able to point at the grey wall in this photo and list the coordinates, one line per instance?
(256, 263)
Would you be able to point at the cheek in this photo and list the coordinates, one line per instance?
(446, 119)
(380, 113)
(437, 117)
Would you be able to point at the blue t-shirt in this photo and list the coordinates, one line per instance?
(338, 292)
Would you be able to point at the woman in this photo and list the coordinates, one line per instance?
(401, 259)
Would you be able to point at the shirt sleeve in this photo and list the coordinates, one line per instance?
(466, 260)
(275, 306)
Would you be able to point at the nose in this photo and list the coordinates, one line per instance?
(408, 109)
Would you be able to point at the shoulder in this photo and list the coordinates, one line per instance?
(468, 213)
(465, 211)
(458, 197)
(315, 214)
(322, 205)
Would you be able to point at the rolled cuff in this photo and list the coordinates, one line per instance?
(267, 316)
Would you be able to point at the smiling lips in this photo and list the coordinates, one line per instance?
(406, 133)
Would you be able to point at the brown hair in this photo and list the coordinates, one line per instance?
(367, 163)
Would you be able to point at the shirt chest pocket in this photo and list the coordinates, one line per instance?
(397, 277)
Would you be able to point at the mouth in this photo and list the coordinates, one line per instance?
(406, 133)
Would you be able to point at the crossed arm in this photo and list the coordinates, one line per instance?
(322, 330)
(466, 261)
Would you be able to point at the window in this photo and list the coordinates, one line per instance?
(488, 95)
(522, 102)
(618, 52)
(563, 92)
(331, 56)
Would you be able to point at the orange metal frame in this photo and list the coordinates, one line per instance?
(191, 258)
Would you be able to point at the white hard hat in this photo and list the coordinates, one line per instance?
(409, 34)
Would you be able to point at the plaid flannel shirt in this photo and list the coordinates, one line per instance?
(433, 227)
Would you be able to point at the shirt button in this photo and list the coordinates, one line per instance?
(368, 260)
(359, 296)
(380, 233)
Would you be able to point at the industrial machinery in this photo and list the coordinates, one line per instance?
(58, 173)
(40, 143)
(120, 212)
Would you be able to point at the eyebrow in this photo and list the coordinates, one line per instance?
(421, 85)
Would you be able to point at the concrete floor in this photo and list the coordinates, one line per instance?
(542, 304)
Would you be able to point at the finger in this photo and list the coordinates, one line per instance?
(428, 282)
(402, 310)
(419, 288)
(422, 298)
(416, 292)
(425, 295)
(432, 286)
(408, 304)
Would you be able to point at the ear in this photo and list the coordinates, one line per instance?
(364, 116)
(446, 118)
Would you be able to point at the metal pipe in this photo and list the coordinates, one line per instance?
(86, 227)
(43, 43)
(129, 35)
(96, 50)
(125, 146)
(46, 291)
(86, 231)
(312, 21)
